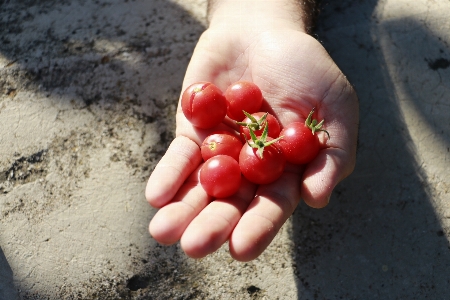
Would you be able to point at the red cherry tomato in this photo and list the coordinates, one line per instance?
(299, 145)
(221, 142)
(220, 176)
(204, 105)
(243, 95)
(262, 170)
(274, 126)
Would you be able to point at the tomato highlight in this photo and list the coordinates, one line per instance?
(242, 95)
(220, 176)
(300, 144)
(204, 105)
(221, 142)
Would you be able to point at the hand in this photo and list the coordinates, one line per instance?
(295, 75)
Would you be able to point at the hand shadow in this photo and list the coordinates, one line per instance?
(380, 237)
(7, 288)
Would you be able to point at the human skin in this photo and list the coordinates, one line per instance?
(265, 42)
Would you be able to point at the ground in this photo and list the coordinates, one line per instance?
(88, 91)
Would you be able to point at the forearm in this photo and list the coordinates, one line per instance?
(300, 12)
(310, 11)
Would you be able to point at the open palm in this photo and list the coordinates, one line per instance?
(295, 75)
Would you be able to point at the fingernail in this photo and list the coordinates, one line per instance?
(328, 199)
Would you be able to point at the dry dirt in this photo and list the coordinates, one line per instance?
(88, 91)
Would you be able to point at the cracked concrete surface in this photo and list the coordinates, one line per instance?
(88, 91)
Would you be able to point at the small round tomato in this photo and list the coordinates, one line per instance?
(273, 130)
(204, 105)
(243, 95)
(262, 170)
(299, 144)
(220, 176)
(221, 142)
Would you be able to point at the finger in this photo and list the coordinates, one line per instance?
(180, 160)
(270, 209)
(169, 223)
(212, 227)
(337, 161)
(323, 174)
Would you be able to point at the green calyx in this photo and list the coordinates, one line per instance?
(262, 142)
(314, 125)
(254, 124)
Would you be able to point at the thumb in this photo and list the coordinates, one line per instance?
(323, 174)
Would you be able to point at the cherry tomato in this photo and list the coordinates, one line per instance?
(221, 142)
(262, 170)
(220, 176)
(243, 95)
(274, 126)
(299, 144)
(204, 105)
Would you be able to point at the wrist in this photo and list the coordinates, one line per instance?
(261, 14)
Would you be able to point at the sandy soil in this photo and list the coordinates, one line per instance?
(88, 91)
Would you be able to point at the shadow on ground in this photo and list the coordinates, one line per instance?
(123, 62)
(380, 237)
(7, 289)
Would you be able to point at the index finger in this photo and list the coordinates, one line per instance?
(180, 160)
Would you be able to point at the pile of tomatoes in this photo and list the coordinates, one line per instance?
(261, 149)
